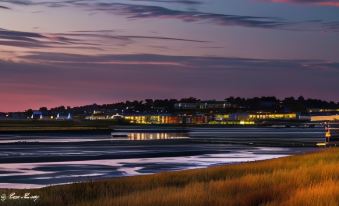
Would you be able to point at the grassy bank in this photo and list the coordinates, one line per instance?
(310, 179)
(52, 126)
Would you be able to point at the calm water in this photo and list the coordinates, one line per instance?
(38, 160)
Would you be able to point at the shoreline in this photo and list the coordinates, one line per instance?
(249, 181)
(75, 158)
(197, 167)
(21, 126)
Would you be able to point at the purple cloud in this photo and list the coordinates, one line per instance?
(75, 39)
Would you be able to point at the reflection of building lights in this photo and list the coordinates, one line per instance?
(155, 136)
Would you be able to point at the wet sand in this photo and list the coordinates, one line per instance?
(38, 160)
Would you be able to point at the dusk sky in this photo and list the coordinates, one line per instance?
(77, 52)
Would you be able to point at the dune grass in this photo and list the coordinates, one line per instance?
(306, 180)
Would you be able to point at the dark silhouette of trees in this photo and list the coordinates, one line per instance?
(156, 106)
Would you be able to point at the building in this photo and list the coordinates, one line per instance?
(202, 105)
(196, 119)
(186, 119)
(2, 116)
(37, 115)
(239, 117)
(322, 118)
(99, 115)
(231, 119)
(63, 117)
(253, 117)
(153, 119)
(319, 110)
(273, 116)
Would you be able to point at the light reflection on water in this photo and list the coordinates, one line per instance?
(156, 136)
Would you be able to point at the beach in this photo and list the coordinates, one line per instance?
(40, 159)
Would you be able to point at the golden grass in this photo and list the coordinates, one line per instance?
(305, 180)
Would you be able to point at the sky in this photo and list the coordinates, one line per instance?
(78, 52)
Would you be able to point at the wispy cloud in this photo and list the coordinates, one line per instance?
(107, 34)
(203, 62)
(134, 11)
(186, 2)
(334, 3)
(18, 2)
(32, 39)
(142, 11)
(145, 11)
(4, 7)
(80, 39)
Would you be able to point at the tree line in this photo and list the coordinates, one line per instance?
(236, 104)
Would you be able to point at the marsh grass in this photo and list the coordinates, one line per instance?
(305, 180)
(47, 126)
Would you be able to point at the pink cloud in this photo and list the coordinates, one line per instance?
(329, 3)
